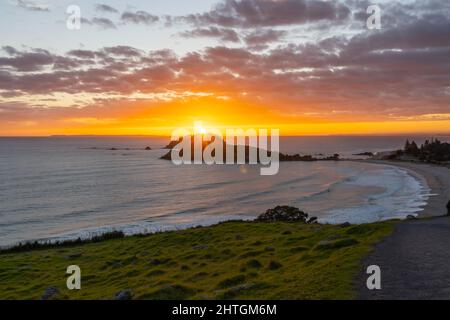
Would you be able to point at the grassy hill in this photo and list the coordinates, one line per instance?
(233, 260)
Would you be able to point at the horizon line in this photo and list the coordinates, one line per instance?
(168, 136)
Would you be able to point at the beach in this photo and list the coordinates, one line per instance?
(436, 177)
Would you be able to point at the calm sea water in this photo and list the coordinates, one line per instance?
(60, 188)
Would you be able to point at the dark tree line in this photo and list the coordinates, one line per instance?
(432, 150)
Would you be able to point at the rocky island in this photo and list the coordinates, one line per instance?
(282, 157)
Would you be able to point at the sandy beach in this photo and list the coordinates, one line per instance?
(436, 177)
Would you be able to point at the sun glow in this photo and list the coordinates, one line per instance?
(199, 129)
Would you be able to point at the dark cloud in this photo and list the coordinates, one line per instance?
(32, 60)
(139, 17)
(257, 13)
(262, 37)
(103, 23)
(10, 50)
(105, 8)
(421, 33)
(83, 54)
(223, 34)
(325, 73)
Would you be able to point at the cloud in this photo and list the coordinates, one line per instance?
(139, 17)
(387, 73)
(105, 8)
(32, 60)
(419, 33)
(103, 23)
(264, 13)
(125, 51)
(32, 5)
(262, 37)
(212, 32)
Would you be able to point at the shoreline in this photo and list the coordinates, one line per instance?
(437, 179)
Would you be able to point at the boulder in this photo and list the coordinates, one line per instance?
(313, 220)
(284, 213)
(50, 293)
(123, 295)
(448, 208)
(148, 148)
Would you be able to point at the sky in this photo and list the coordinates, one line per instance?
(306, 67)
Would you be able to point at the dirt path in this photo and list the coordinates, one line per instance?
(414, 262)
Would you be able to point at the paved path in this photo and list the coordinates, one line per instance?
(414, 262)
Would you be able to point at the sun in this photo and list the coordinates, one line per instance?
(198, 128)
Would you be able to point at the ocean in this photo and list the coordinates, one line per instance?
(60, 188)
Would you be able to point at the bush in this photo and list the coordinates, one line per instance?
(285, 213)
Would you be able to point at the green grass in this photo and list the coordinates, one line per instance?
(233, 260)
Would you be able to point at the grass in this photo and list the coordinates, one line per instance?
(233, 260)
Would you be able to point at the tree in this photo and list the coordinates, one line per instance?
(414, 149)
(407, 145)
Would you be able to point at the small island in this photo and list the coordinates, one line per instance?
(282, 157)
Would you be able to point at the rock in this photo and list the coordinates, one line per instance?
(172, 144)
(448, 208)
(283, 213)
(345, 225)
(123, 295)
(312, 220)
(74, 256)
(148, 149)
(50, 293)
(411, 217)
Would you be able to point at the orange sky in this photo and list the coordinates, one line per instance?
(143, 118)
(147, 72)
